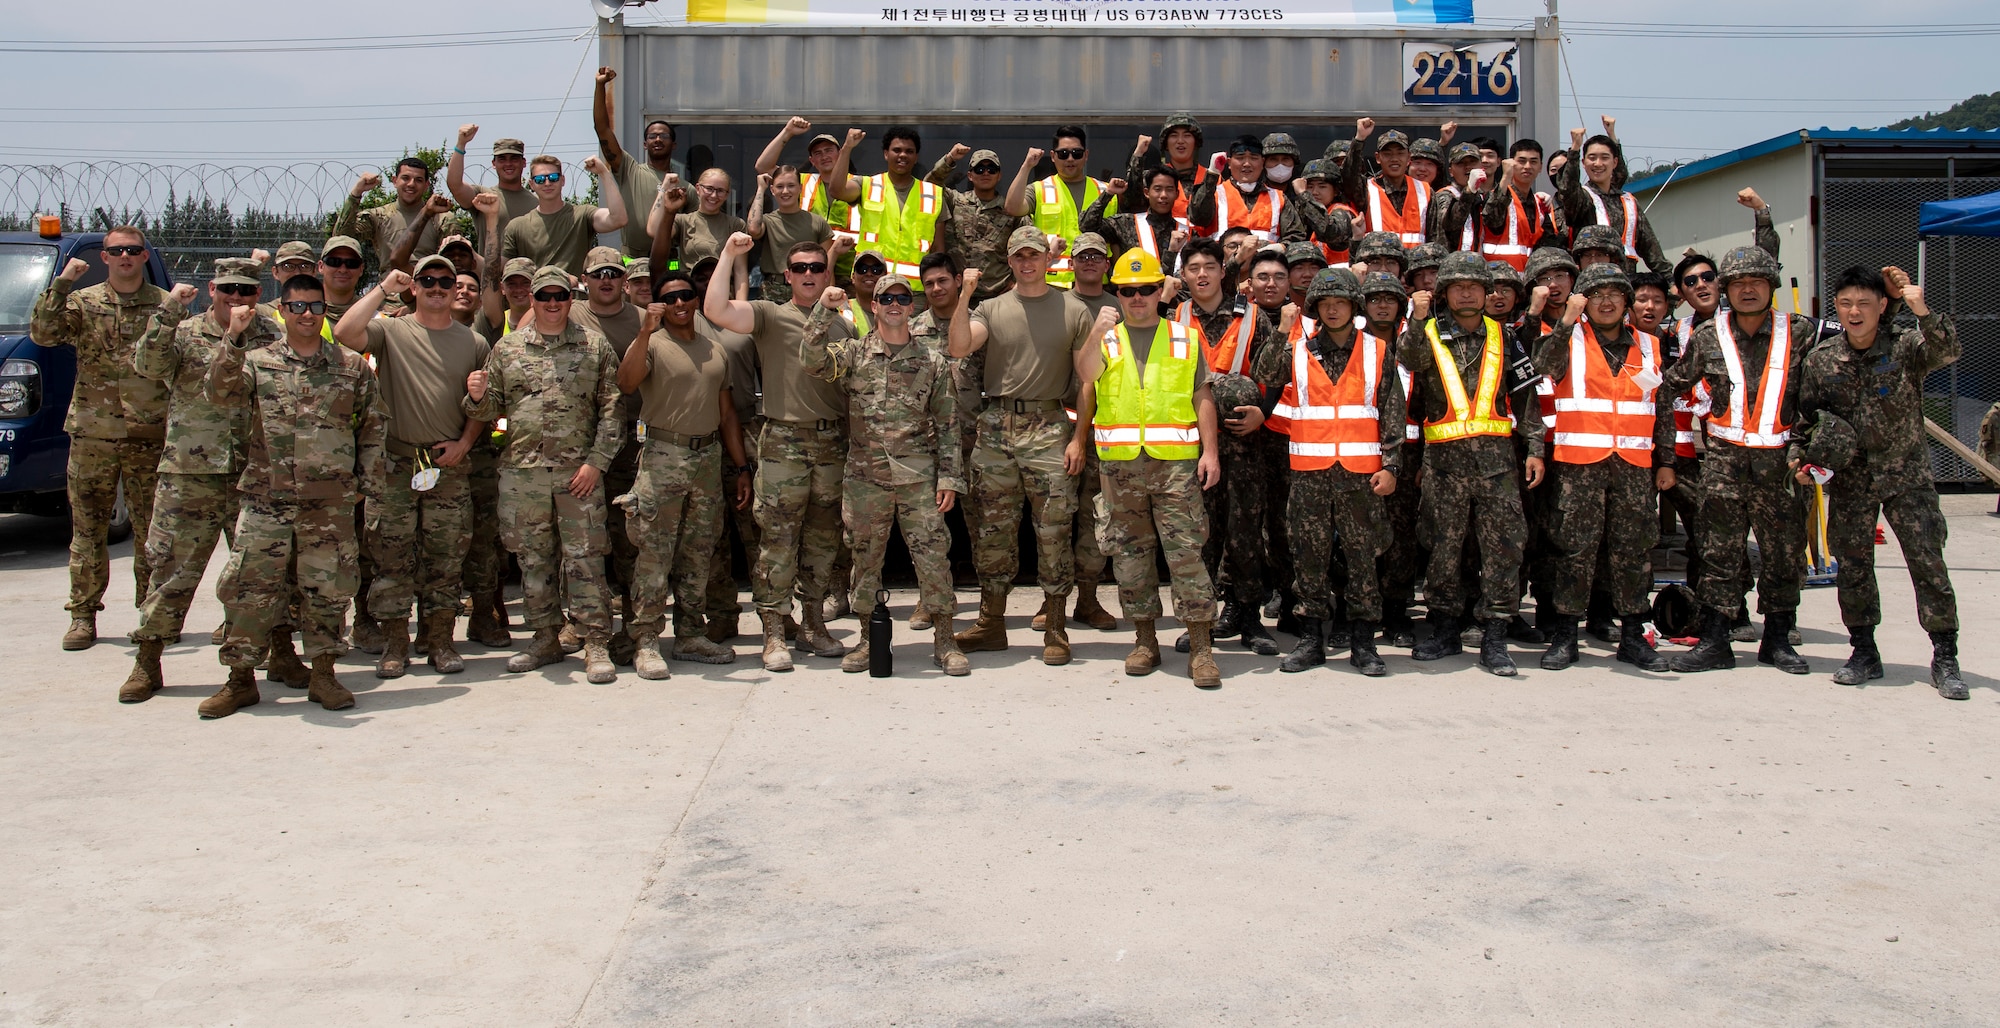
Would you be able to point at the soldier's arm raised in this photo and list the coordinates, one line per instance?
(818, 359)
(638, 361)
(840, 185)
(721, 309)
(767, 160)
(600, 120)
(964, 336)
(155, 354)
(56, 321)
(1016, 203)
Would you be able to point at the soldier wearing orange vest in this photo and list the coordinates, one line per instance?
(1516, 219)
(1384, 301)
(1179, 152)
(1242, 199)
(1590, 185)
(1610, 437)
(894, 213)
(1453, 218)
(1392, 201)
(1342, 411)
(1330, 222)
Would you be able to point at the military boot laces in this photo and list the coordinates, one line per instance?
(646, 659)
(944, 648)
(1444, 640)
(813, 635)
(545, 648)
(1231, 621)
(1361, 650)
(326, 689)
(145, 679)
(1634, 649)
(598, 668)
(1145, 655)
(1562, 651)
(989, 633)
(1256, 638)
(1310, 652)
(444, 657)
(856, 660)
(82, 634)
(395, 650)
(1776, 649)
(1864, 663)
(777, 655)
(1202, 668)
(1055, 637)
(1944, 667)
(697, 648)
(1493, 649)
(1712, 653)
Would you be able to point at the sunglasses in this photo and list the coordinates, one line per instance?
(235, 289)
(606, 273)
(1068, 154)
(552, 296)
(305, 306)
(547, 177)
(899, 299)
(298, 265)
(350, 263)
(1698, 277)
(871, 268)
(436, 281)
(1138, 290)
(808, 268)
(1089, 255)
(677, 296)
(986, 169)
(124, 251)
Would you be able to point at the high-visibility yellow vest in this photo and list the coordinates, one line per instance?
(1056, 211)
(1156, 413)
(1475, 417)
(856, 316)
(901, 231)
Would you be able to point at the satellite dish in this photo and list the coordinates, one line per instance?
(607, 9)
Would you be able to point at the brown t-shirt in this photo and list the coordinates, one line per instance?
(698, 235)
(782, 232)
(422, 374)
(513, 204)
(789, 393)
(683, 382)
(742, 357)
(619, 330)
(561, 239)
(1031, 343)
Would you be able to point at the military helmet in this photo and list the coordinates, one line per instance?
(1597, 276)
(1379, 244)
(1428, 149)
(1232, 391)
(1833, 443)
(1337, 150)
(1549, 258)
(1505, 274)
(1598, 237)
(1338, 283)
(1463, 266)
(1747, 262)
(1379, 282)
(1180, 119)
(1319, 168)
(1429, 255)
(1281, 144)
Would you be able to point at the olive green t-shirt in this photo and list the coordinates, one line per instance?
(619, 330)
(639, 185)
(561, 239)
(789, 393)
(513, 204)
(422, 373)
(684, 382)
(782, 232)
(1031, 343)
(698, 235)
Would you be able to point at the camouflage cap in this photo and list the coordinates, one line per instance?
(1332, 283)
(1602, 238)
(980, 157)
(550, 275)
(1027, 237)
(603, 257)
(1549, 258)
(1833, 443)
(1319, 168)
(1301, 252)
(296, 250)
(1597, 276)
(521, 267)
(1089, 241)
(456, 243)
(1379, 282)
(1336, 151)
(1181, 119)
(1465, 152)
(1429, 255)
(1463, 266)
(341, 243)
(507, 147)
(1748, 262)
(235, 271)
(888, 282)
(1380, 244)
(639, 267)
(706, 264)
(1393, 137)
(1281, 144)
(1428, 149)
(436, 258)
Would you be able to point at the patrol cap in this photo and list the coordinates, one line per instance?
(509, 148)
(980, 157)
(1089, 241)
(1136, 267)
(888, 282)
(296, 250)
(522, 267)
(603, 257)
(1246, 143)
(1281, 144)
(1300, 252)
(235, 271)
(1465, 152)
(550, 275)
(436, 258)
(1393, 137)
(1027, 237)
(456, 243)
(877, 254)
(639, 267)
(1428, 149)
(341, 243)
(1319, 168)
(821, 138)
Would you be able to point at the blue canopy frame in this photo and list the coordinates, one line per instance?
(1968, 216)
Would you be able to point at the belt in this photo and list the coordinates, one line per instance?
(822, 425)
(1013, 406)
(692, 442)
(403, 449)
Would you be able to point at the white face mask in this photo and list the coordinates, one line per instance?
(1279, 174)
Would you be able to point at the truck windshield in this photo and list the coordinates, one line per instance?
(24, 272)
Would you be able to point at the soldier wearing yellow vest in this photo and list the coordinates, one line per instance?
(821, 151)
(1464, 393)
(1058, 202)
(1144, 403)
(895, 213)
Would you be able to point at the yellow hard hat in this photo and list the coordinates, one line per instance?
(1136, 267)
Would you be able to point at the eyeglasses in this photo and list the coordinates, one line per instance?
(236, 289)
(547, 177)
(305, 306)
(1697, 278)
(1138, 290)
(808, 267)
(899, 299)
(437, 281)
(552, 296)
(350, 263)
(603, 273)
(712, 190)
(677, 296)
(1068, 154)
(1607, 293)
(124, 251)
(871, 268)
(988, 168)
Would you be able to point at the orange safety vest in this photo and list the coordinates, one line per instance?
(1334, 422)
(1147, 238)
(1631, 206)
(1523, 233)
(1604, 413)
(1413, 430)
(1260, 217)
(1336, 257)
(1736, 425)
(1229, 355)
(1186, 192)
(1407, 223)
(1695, 403)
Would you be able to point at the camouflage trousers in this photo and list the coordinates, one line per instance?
(722, 589)
(1089, 556)
(97, 467)
(1403, 562)
(1020, 457)
(418, 541)
(871, 512)
(1488, 510)
(481, 569)
(1611, 505)
(279, 546)
(1685, 499)
(1744, 489)
(1920, 530)
(1146, 506)
(560, 542)
(1234, 552)
(798, 512)
(1278, 570)
(619, 480)
(670, 517)
(190, 512)
(1334, 503)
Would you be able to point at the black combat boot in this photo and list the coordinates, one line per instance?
(1311, 650)
(1562, 650)
(1712, 653)
(1944, 666)
(1231, 621)
(1256, 638)
(1361, 650)
(1776, 649)
(1493, 648)
(1634, 649)
(1399, 630)
(1444, 640)
(1519, 630)
(1864, 664)
(1599, 621)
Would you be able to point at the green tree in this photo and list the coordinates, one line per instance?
(1978, 112)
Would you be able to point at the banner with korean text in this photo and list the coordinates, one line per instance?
(1308, 14)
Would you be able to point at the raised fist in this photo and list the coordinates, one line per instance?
(368, 180)
(260, 256)
(1538, 299)
(182, 293)
(650, 321)
(396, 282)
(854, 137)
(1176, 241)
(763, 183)
(1446, 131)
(1476, 182)
(1115, 187)
(1420, 305)
(1573, 307)
(240, 318)
(1507, 166)
(968, 280)
(1107, 319)
(738, 244)
(465, 134)
(1610, 125)
(833, 298)
(797, 126)
(74, 270)
(475, 386)
(1145, 143)
(1288, 317)
(957, 152)
(1576, 138)
(1750, 199)
(437, 204)
(593, 164)
(487, 204)
(1034, 156)
(605, 75)
(1364, 127)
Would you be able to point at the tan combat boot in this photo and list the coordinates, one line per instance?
(944, 649)
(220, 634)
(441, 626)
(699, 649)
(485, 627)
(646, 659)
(145, 679)
(920, 618)
(990, 631)
(813, 635)
(282, 662)
(325, 689)
(570, 637)
(1088, 610)
(777, 656)
(367, 634)
(857, 658)
(597, 666)
(239, 692)
(82, 634)
(395, 651)
(1145, 655)
(1055, 638)
(543, 649)
(1201, 656)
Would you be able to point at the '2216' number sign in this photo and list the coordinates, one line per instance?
(1475, 73)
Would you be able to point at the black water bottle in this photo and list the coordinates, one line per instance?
(880, 662)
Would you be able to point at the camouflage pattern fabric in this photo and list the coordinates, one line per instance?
(1020, 457)
(551, 533)
(722, 587)
(672, 515)
(1744, 488)
(1146, 506)
(1486, 511)
(481, 570)
(190, 513)
(1920, 529)
(797, 490)
(870, 511)
(1329, 506)
(1611, 504)
(97, 469)
(272, 538)
(419, 541)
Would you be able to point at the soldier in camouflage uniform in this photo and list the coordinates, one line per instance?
(903, 459)
(944, 280)
(980, 223)
(1420, 267)
(1153, 229)
(1989, 440)
(313, 446)
(116, 421)
(411, 212)
(1385, 302)
(196, 499)
(1382, 253)
(1873, 383)
(556, 383)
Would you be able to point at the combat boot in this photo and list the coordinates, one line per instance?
(1256, 638)
(484, 626)
(1399, 630)
(395, 648)
(221, 633)
(1776, 649)
(944, 648)
(1864, 664)
(696, 648)
(1145, 655)
(1944, 666)
(1444, 640)
(1712, 653)
(82, 634)
(836, 605)
(1740, 628)
(791, 629)
(990, 631)
(1634, 649)
(545, 648)
(326, 689)
(1519, 630)
(621, 645)
(1562, 650)
(441, 626)
(856, 659)
(812, 633)
(1493, 648)
(920, 618)
(1201, 656)
(646, 659)
(570, 637)
(777, 656)
(1598, 620)
(1336, 635)
(1361, 650)
(1230, 622)
(724, 627)
(1285, 618)
(597, 666)
(1089, 611)
(367, 634)
(239, 692)
(1055, 637)
(281, 662)
(1310, 651)
(145, 679)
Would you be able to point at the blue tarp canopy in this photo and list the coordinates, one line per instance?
(1972, 216)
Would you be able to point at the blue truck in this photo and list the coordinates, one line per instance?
(36, 381)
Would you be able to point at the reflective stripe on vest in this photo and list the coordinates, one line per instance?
(1185, 192)
(856, 317)
(1603, 412)
(1520, 240)
(1476, 417)
(1147, 241)
(1413, 430)
(1056, 212)
(1690, 405)
(1154, 414)
(1231, 212)
(1384, 217)
(840, 216)
(1467, 238)
(902, 233)
(1769, 434)
(1334, 422)
(1231, 354)
(1631, 218)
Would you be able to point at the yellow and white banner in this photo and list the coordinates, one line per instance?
(957, 14)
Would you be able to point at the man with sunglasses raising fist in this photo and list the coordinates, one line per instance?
(557, 233)
(419, 529)
(980, 223)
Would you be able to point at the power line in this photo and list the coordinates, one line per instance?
(181, 50)
(1761, 33)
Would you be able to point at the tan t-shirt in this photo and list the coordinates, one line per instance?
(789, 393)
(619, 330)
(698, 235)
(561, 239)
(684, 381)
(1031, 344)
(513, 204)
(422, 373)
(639, 185)
(742, 354)
(782, 232)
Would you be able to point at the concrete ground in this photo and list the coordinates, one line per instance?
(1025, 846)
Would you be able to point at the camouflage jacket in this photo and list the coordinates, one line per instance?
(900, 407)
(1703, 362)
(968, 373)
(384, 225)
(1880, 392)
(203, 437)
(112, 400)
(978, 232)
(560, 400)
(316, 426)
